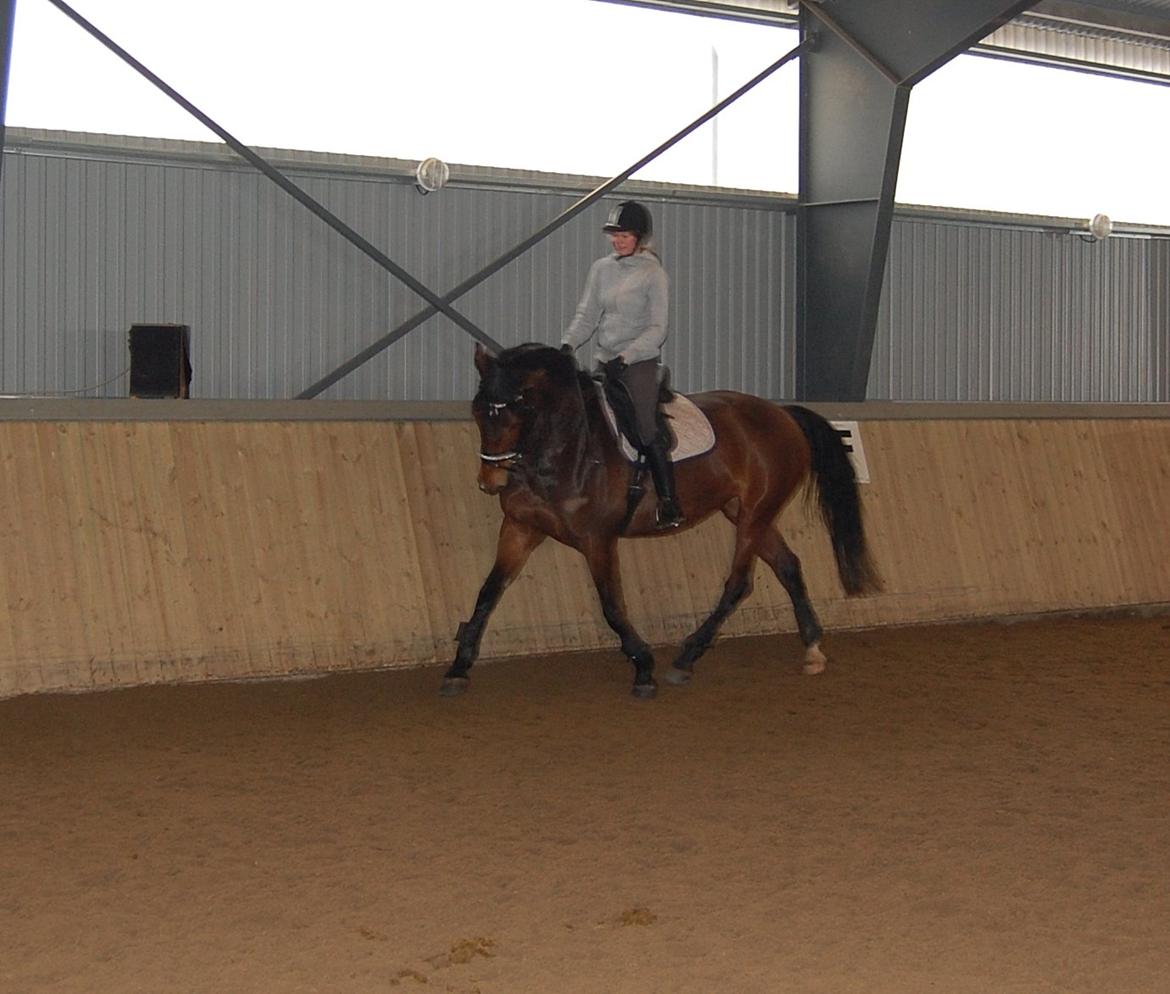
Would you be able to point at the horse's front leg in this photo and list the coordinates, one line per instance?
(513, 548)
(603, 565)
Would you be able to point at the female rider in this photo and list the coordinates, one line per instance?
(624, 303)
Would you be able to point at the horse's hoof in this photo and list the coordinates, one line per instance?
(645, 691)
(814, 661)
(453, 686)
(678, 676)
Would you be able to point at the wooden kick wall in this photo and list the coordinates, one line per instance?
(144, 551)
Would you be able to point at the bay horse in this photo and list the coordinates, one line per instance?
(547, 450)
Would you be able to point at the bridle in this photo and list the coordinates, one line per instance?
(538, 462)
(505, 460)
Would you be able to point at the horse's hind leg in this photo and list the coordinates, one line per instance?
(513, 548)
(603, 565)
(737, 586)
(785, 564)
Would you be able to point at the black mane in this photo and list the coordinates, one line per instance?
(530, 356)
(512, 367)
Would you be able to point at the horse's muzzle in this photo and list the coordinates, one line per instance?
(495, 471)
(492, 479)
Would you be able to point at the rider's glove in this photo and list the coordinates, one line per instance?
(613, 368)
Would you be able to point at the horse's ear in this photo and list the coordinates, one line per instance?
(484, 360)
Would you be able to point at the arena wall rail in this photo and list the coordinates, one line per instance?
(160, 541)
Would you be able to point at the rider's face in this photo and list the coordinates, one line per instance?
(623, 242)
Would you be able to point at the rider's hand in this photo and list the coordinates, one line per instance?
(614, 367)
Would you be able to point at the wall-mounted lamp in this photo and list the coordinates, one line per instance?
(1099, 228)
(431, 175)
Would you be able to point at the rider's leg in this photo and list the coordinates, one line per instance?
(641, 380)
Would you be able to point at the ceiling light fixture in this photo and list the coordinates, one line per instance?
(1098, 229)
(431, 175)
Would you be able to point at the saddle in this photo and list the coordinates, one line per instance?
(683, 429)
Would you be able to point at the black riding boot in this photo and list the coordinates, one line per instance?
(662, 472)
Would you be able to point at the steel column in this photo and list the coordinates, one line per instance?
(855, 81)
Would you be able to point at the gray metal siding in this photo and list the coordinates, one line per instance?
(971, 312)
(96, 240)
(275, 299)
(732, 299)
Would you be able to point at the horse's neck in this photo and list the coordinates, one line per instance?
(560, 462)
(577, 463)
(601, 440)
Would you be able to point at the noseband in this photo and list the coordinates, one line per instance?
(503, 458)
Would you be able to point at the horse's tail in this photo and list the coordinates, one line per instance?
(835, 486)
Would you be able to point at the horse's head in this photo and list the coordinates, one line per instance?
(518, 391)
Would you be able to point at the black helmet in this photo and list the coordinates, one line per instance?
(630, 216)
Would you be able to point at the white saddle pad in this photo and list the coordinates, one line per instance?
(693, 434)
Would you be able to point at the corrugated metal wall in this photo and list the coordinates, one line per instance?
(979, 312)
(99, 235)
(94, 242)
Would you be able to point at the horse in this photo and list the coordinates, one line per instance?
(550, 455)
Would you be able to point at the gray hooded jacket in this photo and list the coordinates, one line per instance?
(624, 302)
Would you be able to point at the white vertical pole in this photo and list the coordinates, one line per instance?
(714, 121)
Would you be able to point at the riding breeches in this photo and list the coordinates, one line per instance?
(641, 380)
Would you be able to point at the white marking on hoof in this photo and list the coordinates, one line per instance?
(453, 686)
(814, 660)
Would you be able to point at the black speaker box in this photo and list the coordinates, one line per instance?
(160, 360)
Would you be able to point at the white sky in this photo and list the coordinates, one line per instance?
(573, 86)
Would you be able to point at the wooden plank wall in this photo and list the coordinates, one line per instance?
(143, 552)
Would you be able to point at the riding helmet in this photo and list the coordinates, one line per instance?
(630, 216)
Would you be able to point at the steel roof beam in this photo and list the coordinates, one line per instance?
(547, 229)
(286, 184)
(7, 26)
